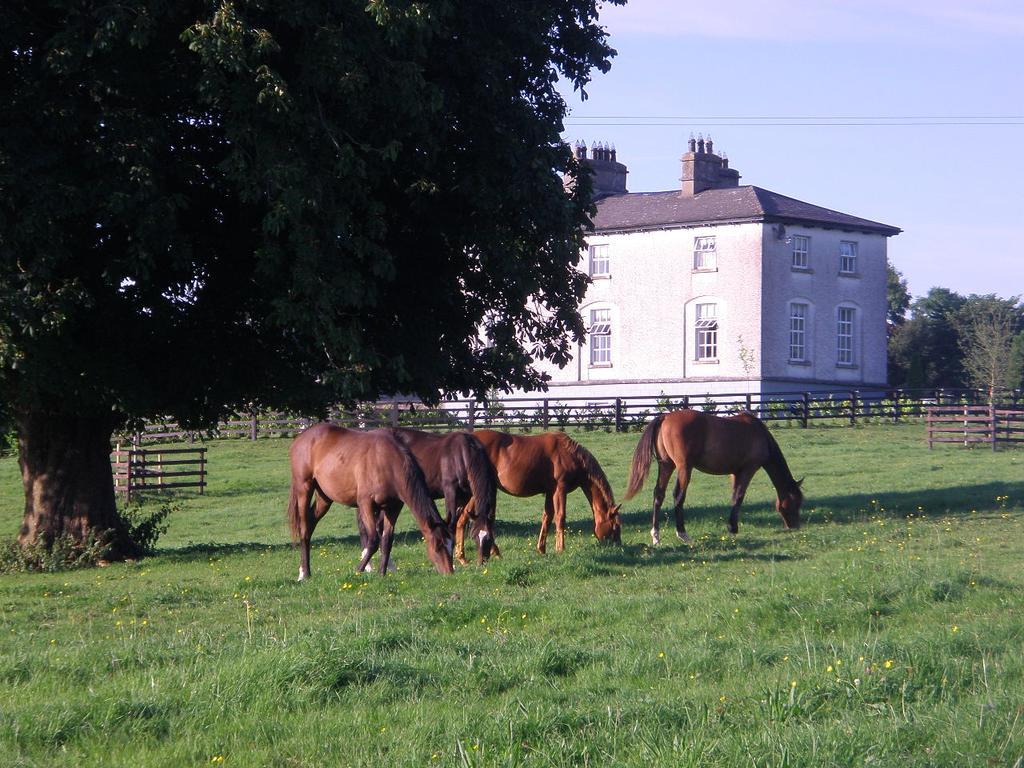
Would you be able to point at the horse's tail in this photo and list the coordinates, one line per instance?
(294, 513)
(299, 458)
(642, 456)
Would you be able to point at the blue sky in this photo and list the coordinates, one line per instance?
(955, 189)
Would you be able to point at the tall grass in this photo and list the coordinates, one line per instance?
(886, 631)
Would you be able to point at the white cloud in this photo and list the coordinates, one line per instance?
(816, 19)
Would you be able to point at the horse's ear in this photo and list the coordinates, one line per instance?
(800, 483)
(615, 510)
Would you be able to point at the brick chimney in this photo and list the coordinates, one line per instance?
(703, 169)
(609, 175)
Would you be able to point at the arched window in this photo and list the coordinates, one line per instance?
(600, 336)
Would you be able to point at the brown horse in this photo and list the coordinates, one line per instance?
(456, 468)
(737, 445)
(554, 464)
(371, 471)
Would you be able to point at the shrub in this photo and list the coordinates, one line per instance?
(65, 553)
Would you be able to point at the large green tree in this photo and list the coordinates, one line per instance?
(205, 204)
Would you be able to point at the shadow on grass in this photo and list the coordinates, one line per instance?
(707, 551)
(956, 501)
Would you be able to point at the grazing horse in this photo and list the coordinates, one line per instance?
(737, 445)
(456, 468)
(554, 464)
(371, 471)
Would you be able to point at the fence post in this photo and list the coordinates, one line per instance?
(394, 414)
(992, 424)
(471, 413)
(928, 422)
(749, 406)
(546, 415)
(685, 401)
(202, 470)
(254, 425)
(128, 477)
(805, 410)
(897, 396)
(618, 414)
(853, 407)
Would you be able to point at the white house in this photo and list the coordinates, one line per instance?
(722, 288)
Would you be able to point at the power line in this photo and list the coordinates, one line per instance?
(570, 122)
(794, 120)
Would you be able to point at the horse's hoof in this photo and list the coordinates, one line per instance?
(462, 561)
(684, 536)
(655, 538)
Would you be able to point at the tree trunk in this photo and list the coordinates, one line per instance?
(69, 488)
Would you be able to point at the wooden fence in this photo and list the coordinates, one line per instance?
(138, 470)
(975, 424)
(621, 414)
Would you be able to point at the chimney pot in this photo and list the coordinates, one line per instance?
(709, 145)
(700, 143)
(692, 144)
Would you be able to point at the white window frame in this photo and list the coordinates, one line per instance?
(847, 257)
(801, 252)
(705, 254)
(705, 325)
(599, 261)
(798, 315)
(846, 327)
(600, 337)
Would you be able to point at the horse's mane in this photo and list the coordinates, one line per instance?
(590, 465)
(415, 485)
(777, 466)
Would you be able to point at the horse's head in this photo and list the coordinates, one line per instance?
(608, 527)
(440, 545)
(788, 505)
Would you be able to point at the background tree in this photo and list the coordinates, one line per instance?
(210, 205)
(987, 327)
(898, 298)
(924, 351)
(1015, 369)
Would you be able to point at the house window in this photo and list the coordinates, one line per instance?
(600, 266)
(600, 337)
(705, 257)
(844, 336)
(706, 325)
(798, 333)
(801, 248)
(847, 257)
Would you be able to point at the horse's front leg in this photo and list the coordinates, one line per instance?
(459, 553)
(664, 473)
(559, 504)
(740, 481)
(545, 521)
(457, 517)
(682, 483)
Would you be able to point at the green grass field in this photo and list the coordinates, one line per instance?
(888, 631)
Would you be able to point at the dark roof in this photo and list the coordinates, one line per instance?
(661, 210)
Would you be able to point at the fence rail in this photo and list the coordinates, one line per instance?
(975, 424)
(621, 414)
(137, 470)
